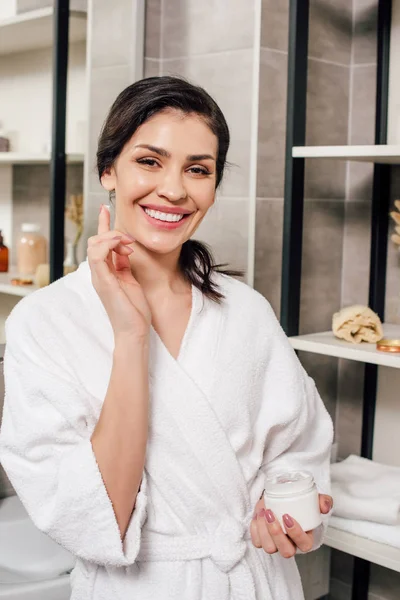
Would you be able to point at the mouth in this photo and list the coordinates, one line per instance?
(165, 219)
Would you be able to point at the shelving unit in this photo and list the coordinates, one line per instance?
(382, 156)
(14, 290)
(46, 42)
(19, 158)
(380, 554)
(329, 345)
(34, 30)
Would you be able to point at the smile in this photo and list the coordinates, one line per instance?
(161, 216)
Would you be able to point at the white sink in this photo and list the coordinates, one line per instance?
(32, 566)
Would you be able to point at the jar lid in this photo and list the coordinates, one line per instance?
(388, 345)
(30, 227)
(287, 484)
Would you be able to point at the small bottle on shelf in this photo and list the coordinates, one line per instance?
(3, 255)
(31, 249)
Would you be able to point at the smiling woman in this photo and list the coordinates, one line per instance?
(149, 396)
(162, 153)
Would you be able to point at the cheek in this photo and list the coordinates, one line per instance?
(136, 184)
(205, 198)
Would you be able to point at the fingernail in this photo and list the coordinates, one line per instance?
(117, 237)
(328, 505)
(288, 521)
(128, 235)
(107, 206)
(269, 515)
(261, 513)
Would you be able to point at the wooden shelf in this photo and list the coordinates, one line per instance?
(326, 343)
(375, 552)
(376, 154)
(34, 29)
(21, 158)
(14, 290)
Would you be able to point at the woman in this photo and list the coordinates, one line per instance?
(148, 395)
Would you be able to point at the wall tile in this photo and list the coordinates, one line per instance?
(106, 84)
(268, 251)
(350, 399)
(191, 27)
(91, 219)
(327, 103)
(322, 264)
(111, 33)
(330, 30)
(365, 31)
(356, 253)
(152, 29)
(27, 5)
(362, 118)
(360, 177)
(272, 124)
(324, 371)
(327, 124)
(342, 566)
(275, 24)
(152, 67)
(214, 73)
(384, 583)
(225, 229)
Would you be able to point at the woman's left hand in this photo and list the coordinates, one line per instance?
(267, 533)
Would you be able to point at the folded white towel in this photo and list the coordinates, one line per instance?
(366, 490)
(385, 534)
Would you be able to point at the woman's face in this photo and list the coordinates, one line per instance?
(164, 180)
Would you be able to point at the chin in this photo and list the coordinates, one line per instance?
(158, 247)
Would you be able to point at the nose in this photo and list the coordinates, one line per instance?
(172, 187)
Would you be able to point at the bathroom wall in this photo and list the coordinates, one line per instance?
(206, 43)
(114, 61)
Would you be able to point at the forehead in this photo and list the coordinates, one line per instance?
(173, 130)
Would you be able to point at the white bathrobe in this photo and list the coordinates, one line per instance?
(236, 405)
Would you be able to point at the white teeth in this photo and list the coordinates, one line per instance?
(156, 214)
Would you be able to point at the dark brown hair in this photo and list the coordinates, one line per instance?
(135, 105)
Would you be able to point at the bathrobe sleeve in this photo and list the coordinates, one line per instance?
(46, 451)
(301, 433)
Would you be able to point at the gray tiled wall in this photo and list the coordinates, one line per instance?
(27, 5)
(182, 40)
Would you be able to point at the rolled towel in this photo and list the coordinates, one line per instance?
(357, 324)
(366, 490)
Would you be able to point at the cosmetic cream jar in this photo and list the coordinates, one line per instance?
(294, 494)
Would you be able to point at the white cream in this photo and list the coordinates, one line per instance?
(294, 494)
(156, 214)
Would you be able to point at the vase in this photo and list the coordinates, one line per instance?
(71, 258)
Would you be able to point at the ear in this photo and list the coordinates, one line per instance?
(109, 179)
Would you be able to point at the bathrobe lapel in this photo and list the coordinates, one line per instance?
(184, 420)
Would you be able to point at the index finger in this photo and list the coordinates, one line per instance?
(104, 220)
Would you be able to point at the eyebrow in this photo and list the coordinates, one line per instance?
(166, 154)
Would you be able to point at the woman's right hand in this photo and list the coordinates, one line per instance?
(122, 296)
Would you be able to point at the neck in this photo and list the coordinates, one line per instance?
(156, 272)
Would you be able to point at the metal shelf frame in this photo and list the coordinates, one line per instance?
(294, 208)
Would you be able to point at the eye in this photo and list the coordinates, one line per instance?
(151, 162)
(199, 171)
